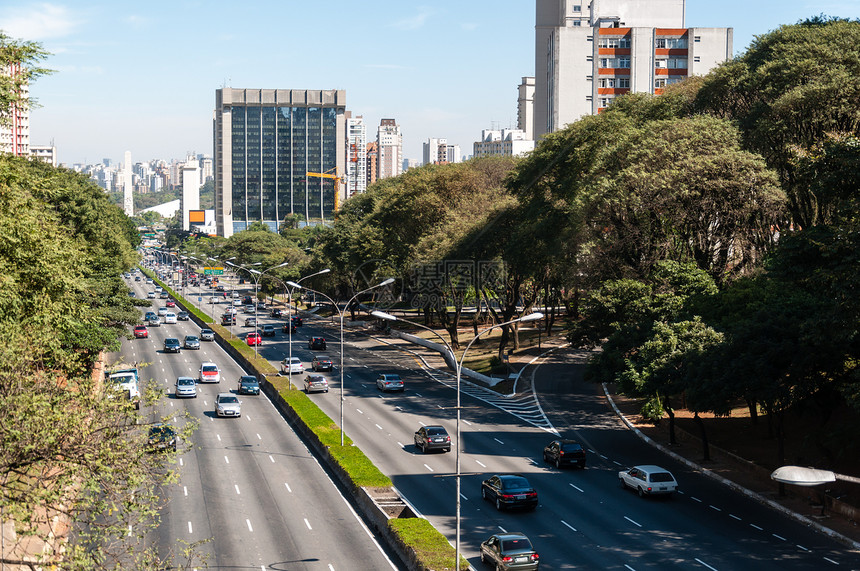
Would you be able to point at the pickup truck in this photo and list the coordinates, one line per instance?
(126, 382)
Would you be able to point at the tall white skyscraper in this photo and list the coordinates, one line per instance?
(190, 198)
(390, 142)
(356, 157)
(127, 186)
(588, 53)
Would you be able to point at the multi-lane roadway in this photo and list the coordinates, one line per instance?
(584, 519)
(248, 485)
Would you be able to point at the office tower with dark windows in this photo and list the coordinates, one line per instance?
(277, 152)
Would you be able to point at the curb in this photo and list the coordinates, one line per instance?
(732, 485)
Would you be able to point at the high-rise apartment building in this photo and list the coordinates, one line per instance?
(390, 147)
(356, 156)
(438, 151)
(586, 54)
(526, 106)
(15, 130)
(266, 142)
(372, 157)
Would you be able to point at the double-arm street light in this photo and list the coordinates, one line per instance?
(257, 275)
(295, 285)
(458, 365)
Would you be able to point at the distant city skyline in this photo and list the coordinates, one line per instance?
(142, 77)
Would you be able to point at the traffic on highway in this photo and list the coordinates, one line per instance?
(553, 471)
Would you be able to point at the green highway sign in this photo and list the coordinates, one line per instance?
(213, 271)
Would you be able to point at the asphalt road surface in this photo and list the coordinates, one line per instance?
(248, 485)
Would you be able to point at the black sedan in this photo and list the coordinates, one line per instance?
(316, 343)
(432, 438)
(509, 491)
(564, 453)
(248, 385)
(509, 551)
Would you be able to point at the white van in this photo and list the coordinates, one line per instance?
(170, 317)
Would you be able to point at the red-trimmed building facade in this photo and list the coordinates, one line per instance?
(586, 54)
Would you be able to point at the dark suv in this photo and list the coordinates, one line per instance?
(432, 438)
(564, 453)
(316, 343)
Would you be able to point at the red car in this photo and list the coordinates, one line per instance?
(170, 303)
(141, 332)
(254, 338)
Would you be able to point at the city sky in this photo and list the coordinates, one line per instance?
(141, 76)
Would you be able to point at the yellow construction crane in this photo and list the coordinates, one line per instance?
(333, 174)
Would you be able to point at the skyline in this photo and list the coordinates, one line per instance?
(143, 78)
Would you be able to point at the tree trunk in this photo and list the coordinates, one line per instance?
(668, 408)
(780, 445)
(706, 449)
(753, 408)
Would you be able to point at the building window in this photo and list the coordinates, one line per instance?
(614, 82)
(697, 38)
(697, 59)
(577, 23)
(671, 43)
(671, 63)
(590, 38)
(664, 81)
(605, 101)
(623, 42)
(577, 8)
(615, 62)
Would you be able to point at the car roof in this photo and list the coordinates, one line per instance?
(511, 535)
(650, 468)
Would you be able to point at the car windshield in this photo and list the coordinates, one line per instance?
(228, 400)
(516, 544)
(210, 369)
(206, 332)
(191, 338)
(248, 380)
(662, 477)
(185, 381)
(515, 483)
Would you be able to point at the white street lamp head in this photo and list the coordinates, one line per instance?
(383, 315)
(294, 284)
(532, 316)
(800, 476)
(282, 265)
(386, 282)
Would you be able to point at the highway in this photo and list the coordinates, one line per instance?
(247, 486)
(584, 520)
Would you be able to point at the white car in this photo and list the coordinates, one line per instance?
(648, 480)
(389, 382)
(186, 387)
(226, 404)
(289, 367)
(170, 317)
(235, 295)
(236, 301)
(209, 373)
(151, 295)
(251, 322)
(162, 311)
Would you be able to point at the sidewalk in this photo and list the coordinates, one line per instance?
(740, 474)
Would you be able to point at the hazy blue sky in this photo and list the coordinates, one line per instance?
(141, 76)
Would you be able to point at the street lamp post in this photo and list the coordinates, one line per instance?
(458, 364)
(290, 315)
(257, 278)
(341, 314)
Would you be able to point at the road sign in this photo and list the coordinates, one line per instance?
(213, 271)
